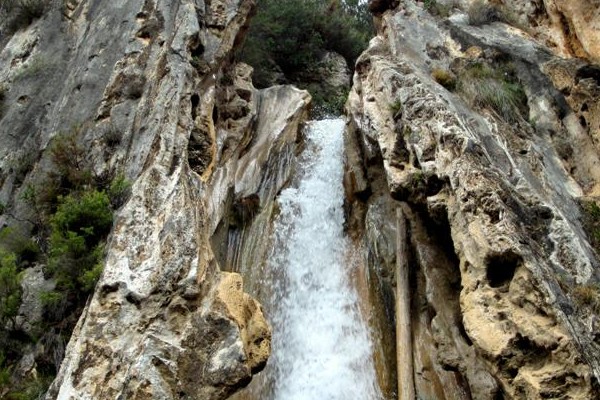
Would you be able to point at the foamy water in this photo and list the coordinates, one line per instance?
(321, 347)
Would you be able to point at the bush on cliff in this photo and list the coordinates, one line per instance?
(10, 290)
(495, 88)
(72, 214)
(79, 227)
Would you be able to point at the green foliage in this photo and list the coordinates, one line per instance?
(439, 9)
(10, 289)
(79, 227)
(588, 296)
(112, 137)
(5, 372)
(119, 191)
(591, 222)
(87, 280)
(444, 78)
(326, 103)
(55, 304)
(495, 89)
(73, 170)
(25, 250)
(23, 162)
(396, 107)
(33, 388)
(73, 213)
(290, 36)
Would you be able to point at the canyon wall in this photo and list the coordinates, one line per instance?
(484, 136)
(152, 91)
(472, 130)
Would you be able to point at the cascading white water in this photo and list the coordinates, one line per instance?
(321, 348)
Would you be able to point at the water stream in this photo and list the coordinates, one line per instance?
(321, 347)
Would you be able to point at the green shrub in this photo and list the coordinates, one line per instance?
(396, 108)
(590, 212)
(55, 304)
(23, 162)
(79, 227)
(588, 296)
(112, 137)
(73, 170)
(14, 241)
(10, 289)
(119, 191)
(480, 13)
(290, 36)
(32, 388)
(326, 103)
(494, 89)
(444, 78)
(5, 372)
(88, 279)
(35, 68)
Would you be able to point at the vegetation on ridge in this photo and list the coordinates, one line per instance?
(288, 38)
(72, 215)
(493, 88)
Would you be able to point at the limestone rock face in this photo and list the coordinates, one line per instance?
(570, 27)
(498, 248)
(579, 22)
(334, 71)
(155, 96)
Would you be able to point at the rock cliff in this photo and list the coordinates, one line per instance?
(478, 133)
(154, 96)
(477, 123)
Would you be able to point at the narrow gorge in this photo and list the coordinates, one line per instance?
(176, 224)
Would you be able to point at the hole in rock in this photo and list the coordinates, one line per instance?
(582, 121)
(197, 51)
(589, 72)
(584, 107)
(215, 115)
(195, 102)
(501, 268)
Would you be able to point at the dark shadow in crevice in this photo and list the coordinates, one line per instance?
(501, 267)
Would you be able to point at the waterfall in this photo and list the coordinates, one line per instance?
(321, 345)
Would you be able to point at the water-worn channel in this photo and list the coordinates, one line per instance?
(321, 344)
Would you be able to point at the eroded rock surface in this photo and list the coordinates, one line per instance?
(151, 87)
(498, 247)
(571, 27)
